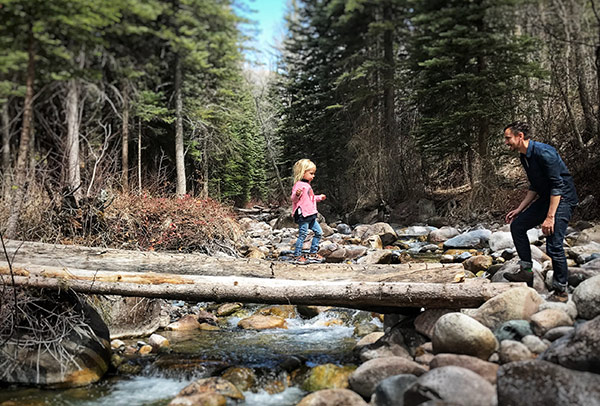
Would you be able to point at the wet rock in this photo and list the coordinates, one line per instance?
(186, 323)
(442, 234)
(513, 330)
(157, 342)
(460, 334)
(259, 322)
(471, 239)
(587, 298)
(541, 383)
(579, 350)
(243, 378)
(327, 376)
(208, 327)
(451, 384)
(206, 317)
(485, 369)
(425, 322)
(79, 356)
(511, 351)
(366, 377)
(117, 344)
(227, 309)
(309, 312)
(390, 391)
(201, 399)
(212, 385)
(547, 319)
(514, 304)
(364, 329)
(283, 311)
(332, 397)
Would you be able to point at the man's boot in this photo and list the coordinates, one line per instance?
(524, 275)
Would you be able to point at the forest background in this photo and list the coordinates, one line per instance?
(140, 122)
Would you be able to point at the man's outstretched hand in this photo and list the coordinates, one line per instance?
(548, 226)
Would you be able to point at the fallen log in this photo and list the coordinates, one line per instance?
(106, 259)
(381, 296)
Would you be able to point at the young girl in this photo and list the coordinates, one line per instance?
(304, 208)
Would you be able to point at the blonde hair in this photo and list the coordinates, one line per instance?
(302, 166)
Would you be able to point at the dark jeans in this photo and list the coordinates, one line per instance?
(533, 216)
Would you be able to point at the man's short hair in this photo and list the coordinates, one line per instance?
(519, 126)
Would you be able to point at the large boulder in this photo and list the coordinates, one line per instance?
(471, 239)
(541, 383)
(579, 349)
(514, 304)
(66, 343)
(587, 298)
(442, 234)
(383, 230)
(367, 376)
(130, 316)
(458, 333)
(332, 397)
(451, 384)
(485, 369)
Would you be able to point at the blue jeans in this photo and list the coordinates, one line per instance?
(533, 216)
(303, 227)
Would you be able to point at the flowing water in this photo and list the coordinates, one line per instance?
(327, 338)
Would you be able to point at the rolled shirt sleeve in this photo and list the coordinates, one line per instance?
(551, 163)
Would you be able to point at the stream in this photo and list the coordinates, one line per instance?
(326, 338)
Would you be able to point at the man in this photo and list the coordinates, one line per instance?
(550, 202)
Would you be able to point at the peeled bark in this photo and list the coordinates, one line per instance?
(125, 141)
(5, 138)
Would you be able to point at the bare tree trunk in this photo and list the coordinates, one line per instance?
(140, 156)
(5, 138)
(205, 172)
(388, 77)
(73, 170)
(125, 141)
(22, 157)
(179, 156)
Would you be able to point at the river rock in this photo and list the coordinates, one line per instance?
(451, 384)
(558, 332)
(368, 339)
(513, 330)
(80, 356)
(589, 235)
(584, 272)
(327, 376)
(535, 344)
(514, 304)
(186, 323)
(242, 377)
(485, 369)
(385, 232)
(390, 391)
(213, 385)
(201, 399)
(156, 341)
(478, 263)
(260, 322)
(568, 307)
(414, 231)
(442, 234)
(471, 239)
(458, 333)
(579, 349)
(344, 228)
(332, 397)
(587, 298)
(227, 309)
(511, 351)
(283, 311)
(365, 378)
(547, 319)
(541, 383)
(378, 256)
(130, 316)
(425, 322)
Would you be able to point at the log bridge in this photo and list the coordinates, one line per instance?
(197, 277)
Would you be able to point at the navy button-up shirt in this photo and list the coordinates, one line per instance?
(547, 173)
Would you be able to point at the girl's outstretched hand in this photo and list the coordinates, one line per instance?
(323, 197)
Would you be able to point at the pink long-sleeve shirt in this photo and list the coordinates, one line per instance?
(307, 201)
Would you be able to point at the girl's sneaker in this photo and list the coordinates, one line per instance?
(316, 258)
(301, 260)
